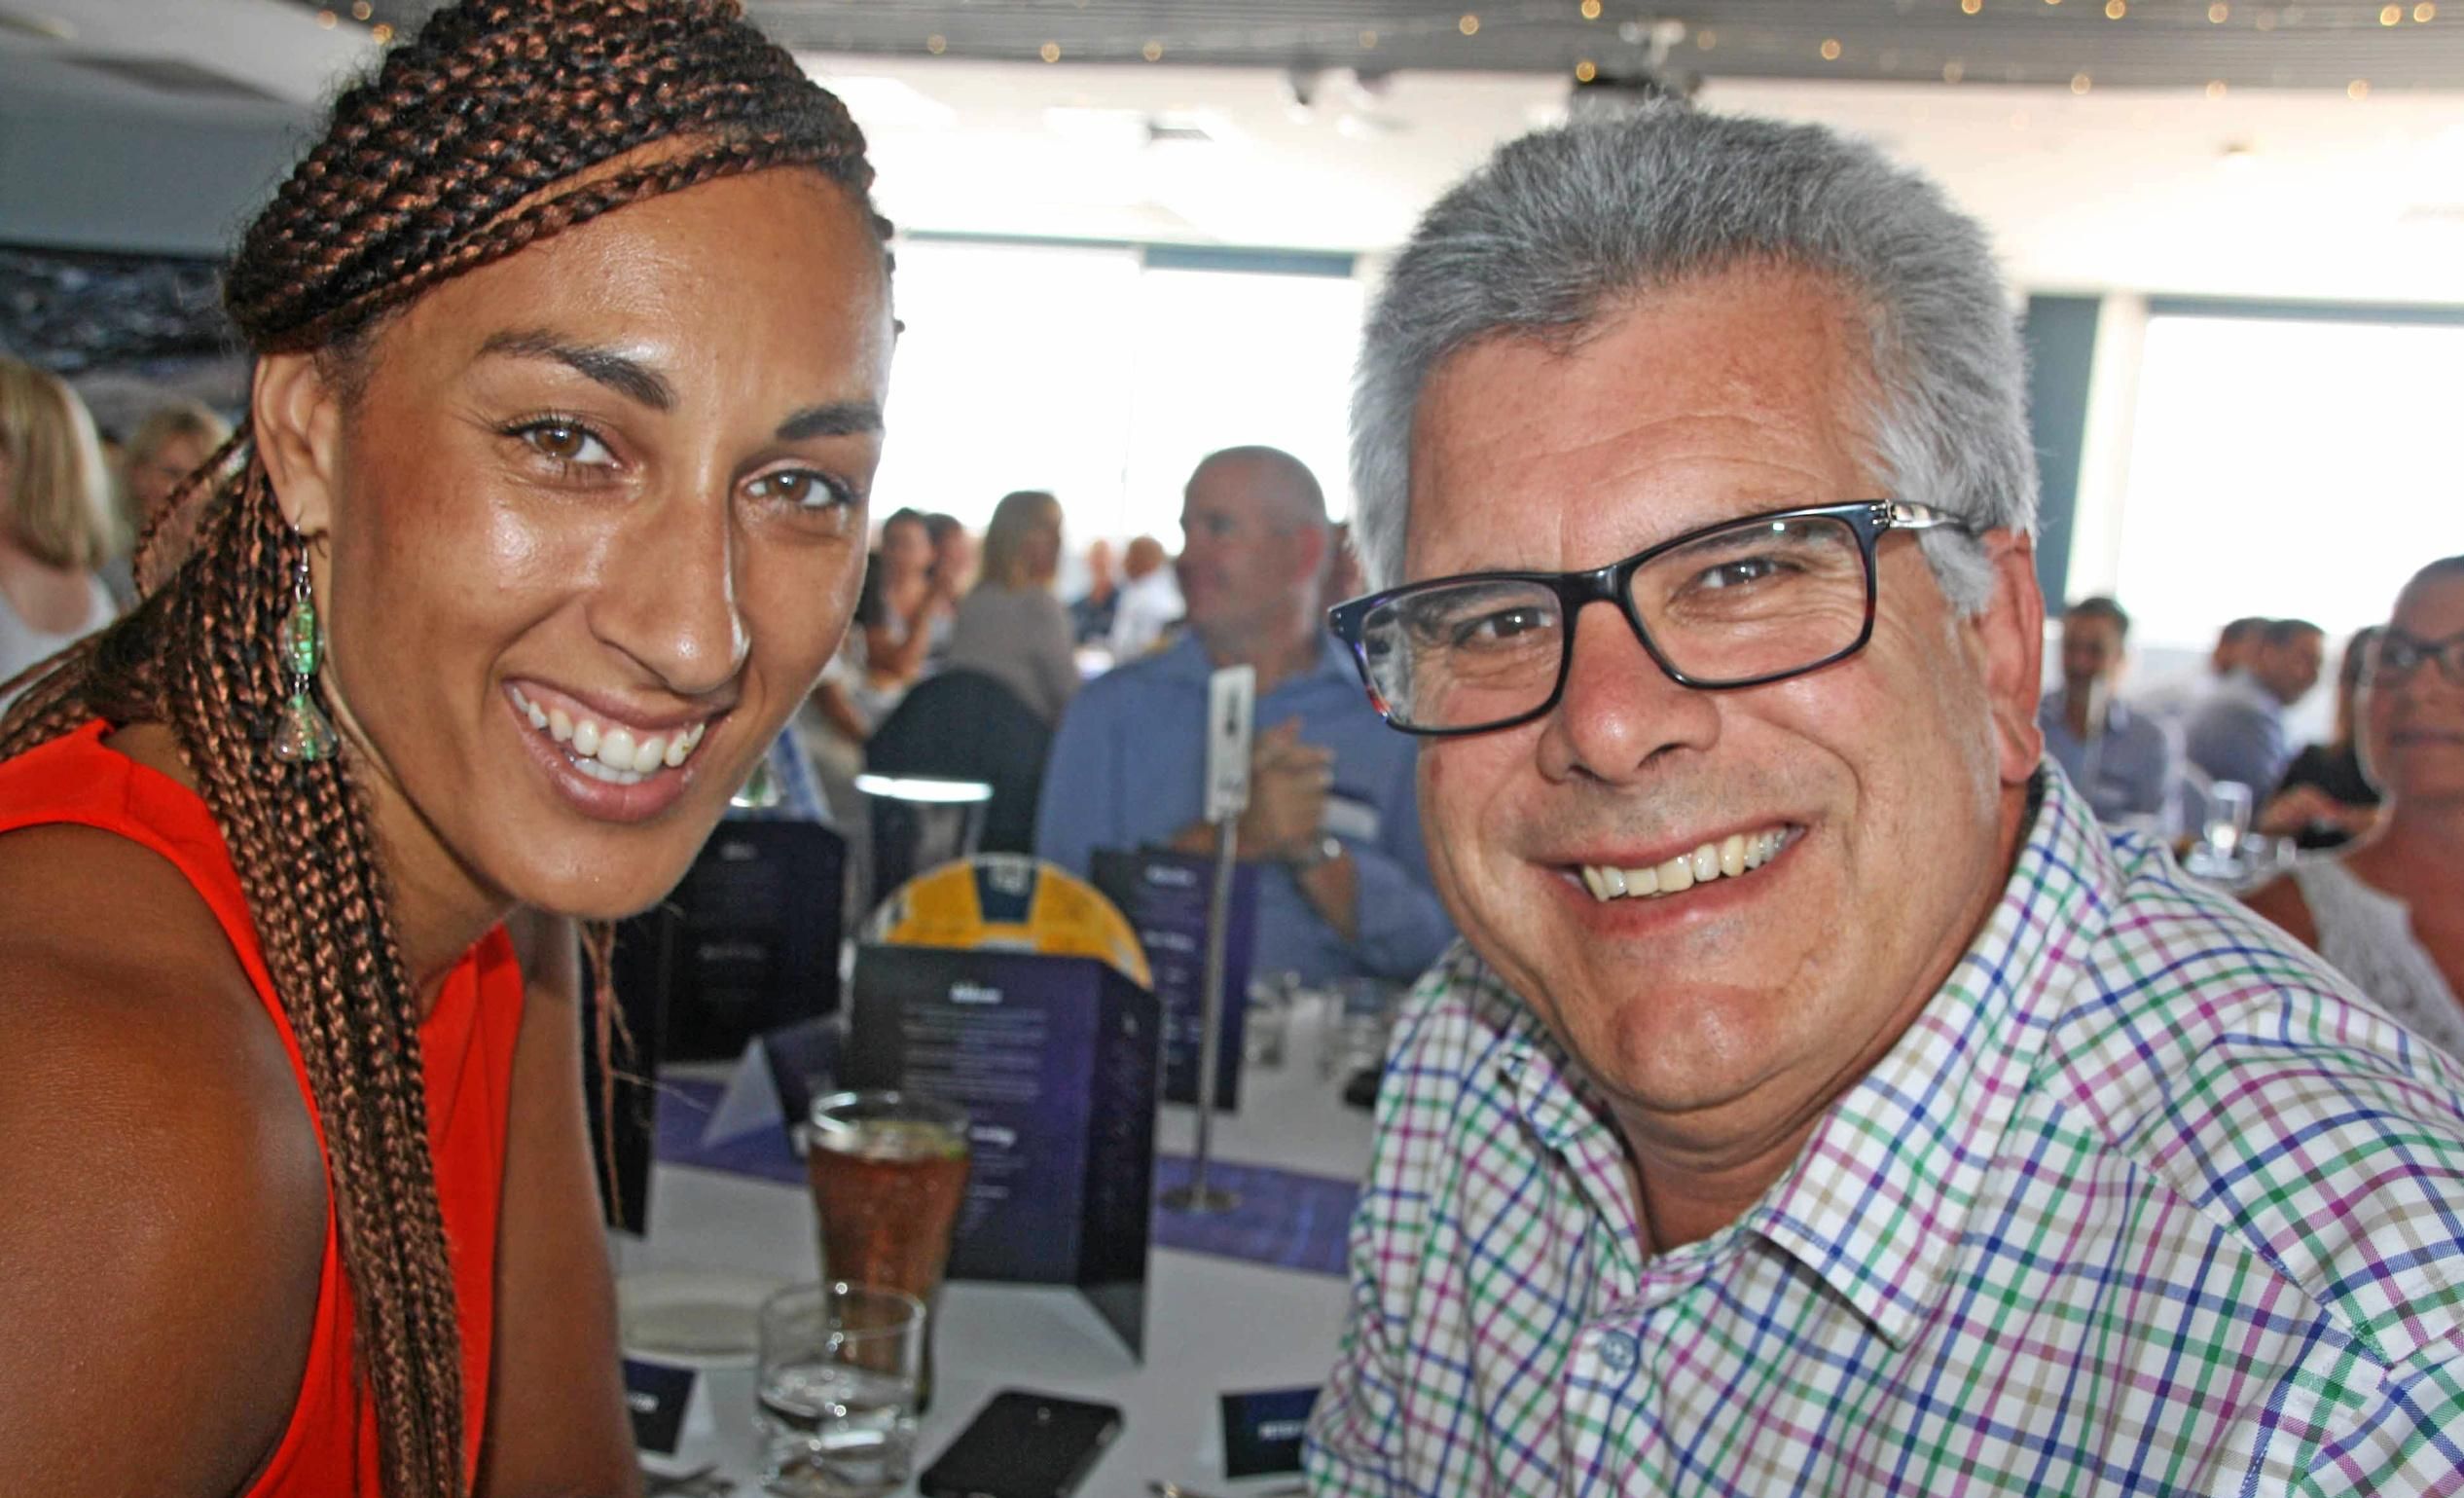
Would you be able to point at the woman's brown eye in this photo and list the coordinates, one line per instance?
(558, 441)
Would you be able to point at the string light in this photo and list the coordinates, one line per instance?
(2389, 15)
(1585, 71)
(2425, 12)
(2116, 9)
(1050, 52)
(1971, 7)
(1152, 52)
(1469, 26)
(2358, 90)
(327, 19)
(382, 34)
(1591, 10)
(361, 9)
(936, 44)
(2219, 13)
(2080, 83)
(1830, 49)
(2216, 88)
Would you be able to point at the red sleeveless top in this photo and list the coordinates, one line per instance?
(329, 1447)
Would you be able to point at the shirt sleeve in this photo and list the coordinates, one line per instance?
(1353, 1441)
(1078, 808)
(1402, 926)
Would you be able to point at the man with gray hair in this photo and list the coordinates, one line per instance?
(1819, 1100)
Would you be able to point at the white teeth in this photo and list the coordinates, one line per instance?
(613, 754)
(615, 748)
(600, 771)
(1727, 859)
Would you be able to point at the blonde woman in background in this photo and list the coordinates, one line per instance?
(1011, 627)
(173, 442)
(54, 521)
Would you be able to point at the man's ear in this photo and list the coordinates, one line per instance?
(296, 415)
(1316, 546)
(2010, 636)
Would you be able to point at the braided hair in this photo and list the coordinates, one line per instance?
(501, 124)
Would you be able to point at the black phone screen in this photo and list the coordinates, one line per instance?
(1023, 1446)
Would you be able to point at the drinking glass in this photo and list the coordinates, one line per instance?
(889, 1173)
(2227, 819)
(836, 1406)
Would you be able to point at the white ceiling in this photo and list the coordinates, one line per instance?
(2262, 194)
(2257, 194)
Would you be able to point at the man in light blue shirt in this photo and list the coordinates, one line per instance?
(1334, 818)
(2238, 733)
(2127, 765)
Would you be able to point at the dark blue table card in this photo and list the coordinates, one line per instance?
(1165, 897)
(1055, 1060)
(1262, 1431)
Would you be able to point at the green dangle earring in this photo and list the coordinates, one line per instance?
(304, 734)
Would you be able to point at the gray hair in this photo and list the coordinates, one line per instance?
(1568, 225)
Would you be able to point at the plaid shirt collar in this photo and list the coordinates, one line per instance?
(1876, 1201)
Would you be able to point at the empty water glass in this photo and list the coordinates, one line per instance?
(837, 1400)
(2227, 819)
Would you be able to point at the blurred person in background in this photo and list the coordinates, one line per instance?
(1333, 815)
(562, 421)
(953, 574)
(1344, 578)
(1010, 626)
(54, 521)
(2173, 702)
(2123, 761)
(2238, 733)
(1150, 599)
(171, 442)
(2390, 912)
(2325, 800)
(1091, 613)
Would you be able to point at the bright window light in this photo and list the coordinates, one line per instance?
(2287, 467)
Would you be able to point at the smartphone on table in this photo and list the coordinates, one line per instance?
(1023, 1446)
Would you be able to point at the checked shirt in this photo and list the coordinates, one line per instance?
(2146, 1201)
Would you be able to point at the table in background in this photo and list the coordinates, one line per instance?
(1213, 1325)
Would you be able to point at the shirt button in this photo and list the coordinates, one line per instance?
(1619, 1351)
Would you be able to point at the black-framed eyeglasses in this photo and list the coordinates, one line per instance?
(2394, 655)
(1739, 603)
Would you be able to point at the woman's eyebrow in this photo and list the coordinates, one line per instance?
(620, 373)
(832, 419)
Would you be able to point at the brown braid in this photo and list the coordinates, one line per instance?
(462, 149)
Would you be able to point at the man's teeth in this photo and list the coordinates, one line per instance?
(1734, 855)
(612, 754)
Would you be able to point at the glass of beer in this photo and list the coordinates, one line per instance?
(889, 1172)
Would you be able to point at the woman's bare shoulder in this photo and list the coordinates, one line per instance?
(2280, 900)
(162, 1195)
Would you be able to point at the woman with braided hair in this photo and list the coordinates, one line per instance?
(573, 334)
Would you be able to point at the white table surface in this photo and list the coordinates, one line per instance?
(1213, 1325)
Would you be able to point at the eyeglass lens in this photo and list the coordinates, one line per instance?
(1761, 599)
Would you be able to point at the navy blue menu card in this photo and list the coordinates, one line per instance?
(1165, 897)
(1055, 1060)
